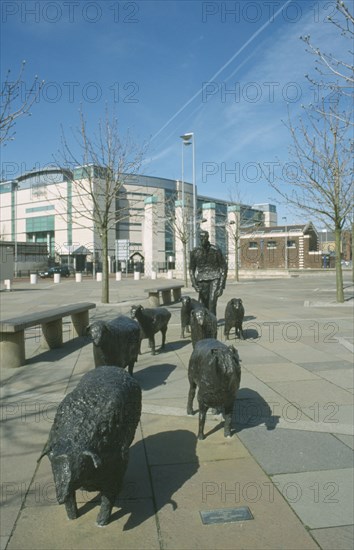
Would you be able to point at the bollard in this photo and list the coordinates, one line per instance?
(118, 276)
(33, 278)
(170, 274)
(7, 284)
(136, 275)
(57, 277)
(99, 277)
(78, 277)
(153, 275)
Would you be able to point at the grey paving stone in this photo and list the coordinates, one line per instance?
(320, 499)
(331, 414)
(308, 392)
(283, 451)
(347, 439)
(335, 538)
(344, 378)
(327, 365)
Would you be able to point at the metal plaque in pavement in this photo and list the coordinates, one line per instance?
(226, 515)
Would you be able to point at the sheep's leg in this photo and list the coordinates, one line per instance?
(228, 418)
(202, 414)
(191, 394)
(71, 507)
(163, 332)
(152, 345)
(107, 502)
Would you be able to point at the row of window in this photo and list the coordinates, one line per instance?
(271, 244)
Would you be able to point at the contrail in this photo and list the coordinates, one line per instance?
(261, 29)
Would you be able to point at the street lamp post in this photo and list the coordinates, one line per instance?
(286, 243)
(188, 139)
(183, 197)
(15, 188)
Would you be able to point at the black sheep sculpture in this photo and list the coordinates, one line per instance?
(88, 445)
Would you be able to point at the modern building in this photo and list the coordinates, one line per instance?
(56, 207)
(292, 246)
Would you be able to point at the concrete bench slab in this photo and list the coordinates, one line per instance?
(12, 331)
(167, 293)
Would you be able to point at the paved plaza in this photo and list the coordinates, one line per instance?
(289, 461)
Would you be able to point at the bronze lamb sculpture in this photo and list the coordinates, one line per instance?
(215, 369)
(88, 445)
(115, 342)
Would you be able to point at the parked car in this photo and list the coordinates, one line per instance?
(64, 270)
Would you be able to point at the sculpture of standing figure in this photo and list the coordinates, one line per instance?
(208, 272)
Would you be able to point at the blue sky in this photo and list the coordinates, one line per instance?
(226, 71)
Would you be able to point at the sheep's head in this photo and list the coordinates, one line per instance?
(96, 330)
(135, 311)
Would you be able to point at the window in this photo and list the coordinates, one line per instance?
(291, 244)
(271, 244)
(253, 245)
(39, 224)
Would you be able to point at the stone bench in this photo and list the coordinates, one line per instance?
(168, 294)
(12, 331)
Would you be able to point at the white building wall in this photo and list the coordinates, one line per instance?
(55, 194)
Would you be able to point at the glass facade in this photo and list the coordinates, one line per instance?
(40, 224)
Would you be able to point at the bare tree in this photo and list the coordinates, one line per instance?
(106, 161)
(16, 102)
(239, 222)
(334, 74)
(321, 172)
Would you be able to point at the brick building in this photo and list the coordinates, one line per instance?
(293, 247)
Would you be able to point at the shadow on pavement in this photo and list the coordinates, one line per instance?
(166, 477)
(53, 355)
(251, 410)
(154, 375)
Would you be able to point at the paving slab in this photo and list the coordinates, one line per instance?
(320, 498)
(46, 527)
(180, 444)
(343, 378)
(347, 439)
(301, 352)
(333, 415)
(306, 393)
(238, 482)
(286, 371)
(334, 538)
(327, 365)
(280, 451)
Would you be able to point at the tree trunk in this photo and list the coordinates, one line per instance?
(105, 277)
(339, 273)
(236, 262)
(185, 271)
(352, 252)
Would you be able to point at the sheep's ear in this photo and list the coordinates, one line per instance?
(235, 352)
(95, 458)
(44, 453)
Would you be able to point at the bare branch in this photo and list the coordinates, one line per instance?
(328, 65)
(101, 161)
(14, 103)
